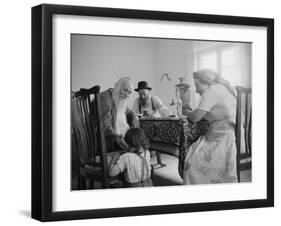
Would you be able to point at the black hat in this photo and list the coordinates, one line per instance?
(142, 85)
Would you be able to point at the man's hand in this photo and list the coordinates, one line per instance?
(115, 157)
(148, 113)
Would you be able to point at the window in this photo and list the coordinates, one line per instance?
(228, 68)
(222, 59)
(209, 60)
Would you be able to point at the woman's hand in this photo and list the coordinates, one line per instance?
(195, 115)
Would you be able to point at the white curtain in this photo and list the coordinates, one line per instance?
(244, 65)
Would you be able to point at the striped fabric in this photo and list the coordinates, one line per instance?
(131, 164)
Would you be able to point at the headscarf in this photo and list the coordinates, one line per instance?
(209, 77)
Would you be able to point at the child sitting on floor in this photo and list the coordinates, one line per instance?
(135, 163)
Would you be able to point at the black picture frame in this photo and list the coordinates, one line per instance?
(42, 106)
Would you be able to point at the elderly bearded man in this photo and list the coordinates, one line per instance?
(149, 105)
(117, 118)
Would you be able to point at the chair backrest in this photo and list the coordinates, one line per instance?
(87, 130)
(243, 130)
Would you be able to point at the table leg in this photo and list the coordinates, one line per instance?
(159, 160)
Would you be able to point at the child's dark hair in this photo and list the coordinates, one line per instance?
(135, 138)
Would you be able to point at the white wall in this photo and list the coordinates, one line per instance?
(103, 60)
(171, 58)
(16, 118)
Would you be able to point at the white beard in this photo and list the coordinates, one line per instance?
(121, 125)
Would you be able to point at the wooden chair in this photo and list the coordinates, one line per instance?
(89, 157)
(243, 130)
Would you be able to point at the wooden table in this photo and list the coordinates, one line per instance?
(172, 135)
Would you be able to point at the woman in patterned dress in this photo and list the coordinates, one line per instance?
(212, 158)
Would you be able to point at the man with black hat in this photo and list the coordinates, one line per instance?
(148, 105)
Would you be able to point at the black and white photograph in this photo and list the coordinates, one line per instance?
(142, 112)
(149, 111)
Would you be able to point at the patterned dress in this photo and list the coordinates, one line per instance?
(212, 158)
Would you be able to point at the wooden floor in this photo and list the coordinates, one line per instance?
(167, 175)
